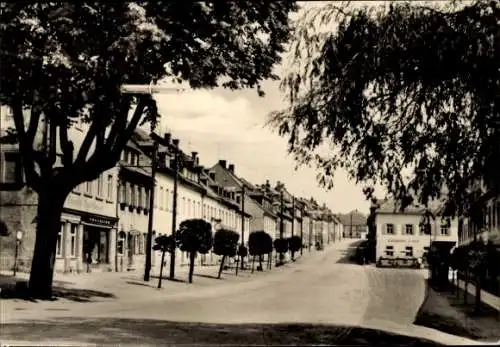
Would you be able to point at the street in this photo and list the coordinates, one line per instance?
(321, 298)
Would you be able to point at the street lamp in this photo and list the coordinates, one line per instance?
(148, 89)
(19, 237)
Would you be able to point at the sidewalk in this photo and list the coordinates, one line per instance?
(94, 293)
(487, 298)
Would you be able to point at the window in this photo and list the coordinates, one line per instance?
(72, 239)
(88, 187)
(59, 241)
(422, 227)
(99, 185)
(10, 168)
(109, 190)
(389, 251)
(141, 197)
(132, 195)
(409, 229)
(409, 251)
(389, 229)
(146, 197)
(160, 199)
(167, 193)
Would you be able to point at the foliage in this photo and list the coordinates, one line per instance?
(69, 60)
(294, 243)
(281, 245)
(259, 243)
(66, 62)
(195, 236)
(405, 95)
(164, 243)
(226, 242)
(242, 251)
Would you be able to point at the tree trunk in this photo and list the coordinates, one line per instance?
(48, 226)
(293, 255)
(478, 292)
(192, 256)
(221, 266)
(253, 262)
(161, 268)
(260, 262)
(466, 285)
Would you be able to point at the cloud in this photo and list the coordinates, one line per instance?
(220, 124)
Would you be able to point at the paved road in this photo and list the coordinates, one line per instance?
(323, 289)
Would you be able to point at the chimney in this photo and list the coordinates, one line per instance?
(222, 163)
(193, 155)
(268, 185)
(197, 161)
(231, 168)
(167, 137)
(175, 142)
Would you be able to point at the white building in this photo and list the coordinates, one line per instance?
(402, 235)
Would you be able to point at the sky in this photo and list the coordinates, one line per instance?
(230, 125)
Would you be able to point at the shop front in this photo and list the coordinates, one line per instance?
(99, 243)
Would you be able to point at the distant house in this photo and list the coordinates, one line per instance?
(401, 234)
(354, 224)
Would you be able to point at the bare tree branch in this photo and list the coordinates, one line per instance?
(120, 122)
(87, 142)
(25, 148)
(66, 146)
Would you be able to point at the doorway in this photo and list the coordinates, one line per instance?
(95, 246)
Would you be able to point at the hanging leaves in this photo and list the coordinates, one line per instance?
(404, 89)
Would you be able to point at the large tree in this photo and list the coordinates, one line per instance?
(406, 96)
(67, 61)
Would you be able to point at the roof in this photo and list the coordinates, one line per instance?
(358, 218)
(390, 206)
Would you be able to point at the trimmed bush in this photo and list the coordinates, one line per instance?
(195, 236)
(225, 245)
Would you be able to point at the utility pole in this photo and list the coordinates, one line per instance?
(242, 221)
(175, 142)
(149, 238)
(301, 228)
(293, 214)
(281, 215)
(350, 227)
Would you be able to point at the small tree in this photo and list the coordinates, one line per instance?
(225, 245)
(294, 244)
(242, 253)
(163, 244)
(195, 236)
(281, 247)
(259, 243)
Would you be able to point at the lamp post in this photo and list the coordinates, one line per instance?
(242, 222)
(19, 237)
(301, 228)
(157, 140)
(175, 142)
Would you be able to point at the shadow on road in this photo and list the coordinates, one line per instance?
(169, 279)
(348, 256)
(208, 276)
(115, 331)
(15, 288)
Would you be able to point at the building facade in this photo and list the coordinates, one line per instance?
(354, 224)
(86, 239)
(401, 234)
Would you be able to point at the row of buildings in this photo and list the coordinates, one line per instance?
(401, 234)
(104, 224)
